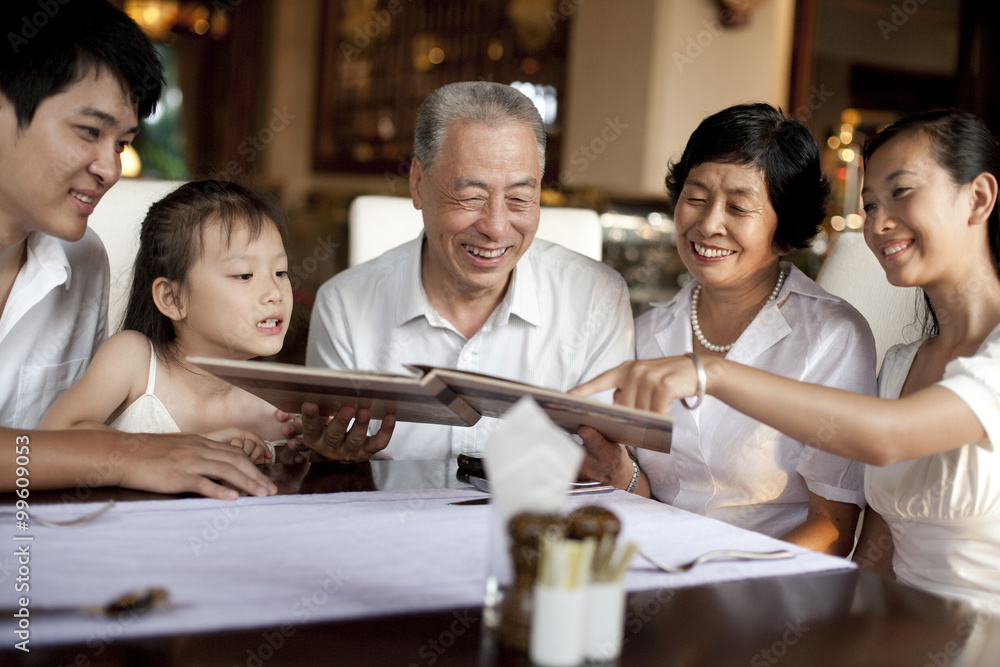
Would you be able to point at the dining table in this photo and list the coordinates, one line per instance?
(384, 563)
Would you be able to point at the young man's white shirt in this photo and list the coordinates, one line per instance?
(54, 321)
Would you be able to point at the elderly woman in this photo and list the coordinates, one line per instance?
(747, 190)
(931, 219)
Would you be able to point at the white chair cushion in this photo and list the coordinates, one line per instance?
(117, 220)
(852, 272)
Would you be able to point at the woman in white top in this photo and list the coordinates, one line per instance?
(934, 481)
(747, 190)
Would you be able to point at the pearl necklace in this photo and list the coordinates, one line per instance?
(696, 328)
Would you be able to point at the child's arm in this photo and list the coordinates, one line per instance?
(252, 444)
(115, 377)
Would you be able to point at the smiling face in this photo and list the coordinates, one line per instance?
(725, 226)
(480, 206)
(916, 217)
(236, 298)
(55, 170)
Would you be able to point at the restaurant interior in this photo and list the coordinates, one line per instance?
(315, 99)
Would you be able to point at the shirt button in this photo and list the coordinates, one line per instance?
(466, 356)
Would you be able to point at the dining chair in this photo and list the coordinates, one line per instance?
(117, 220)
(852, 272)
(380, 223)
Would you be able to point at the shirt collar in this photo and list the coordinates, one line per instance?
(675, 329)
(412, 301)
(800, 283)
(523, 295)
(521, 298)
(47, 255)
(769, 327)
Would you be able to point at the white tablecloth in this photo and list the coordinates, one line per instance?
(282, 560)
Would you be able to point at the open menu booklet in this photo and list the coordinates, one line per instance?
(435, 395)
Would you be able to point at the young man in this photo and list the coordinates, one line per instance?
(75, 78)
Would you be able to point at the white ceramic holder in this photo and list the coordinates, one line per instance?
(605, 620)
(558, 623)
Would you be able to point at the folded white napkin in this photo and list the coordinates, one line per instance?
(530, 462)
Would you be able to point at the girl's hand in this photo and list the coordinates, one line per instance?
(291, 428)
(251, 443)
(652, 384)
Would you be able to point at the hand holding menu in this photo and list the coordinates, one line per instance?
(434, 395)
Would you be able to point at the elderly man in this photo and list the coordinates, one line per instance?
(475, 291)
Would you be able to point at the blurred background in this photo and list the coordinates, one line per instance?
(315, 99)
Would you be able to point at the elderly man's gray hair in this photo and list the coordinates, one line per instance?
(480, 102)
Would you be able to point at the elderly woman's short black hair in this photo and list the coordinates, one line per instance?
(782, 148)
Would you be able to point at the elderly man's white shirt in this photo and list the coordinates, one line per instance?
(564, 320)
(728, 466)
(54, 321)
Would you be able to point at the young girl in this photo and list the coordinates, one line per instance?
(210, 280)
(933, 486)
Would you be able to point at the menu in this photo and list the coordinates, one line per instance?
(435, 395)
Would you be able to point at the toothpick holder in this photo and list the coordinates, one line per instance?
(605, 620)
(558, 622)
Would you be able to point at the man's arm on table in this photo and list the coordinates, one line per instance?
(166, 463)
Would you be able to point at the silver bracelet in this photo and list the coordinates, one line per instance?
(635, 476)
(702, 382)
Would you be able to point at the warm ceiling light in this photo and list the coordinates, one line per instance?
(155, 17)
(850, 116)
(531, 21)
(495, 50)
(159, 17)
(131, 164)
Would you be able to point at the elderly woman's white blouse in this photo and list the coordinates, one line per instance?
(728, 466)
(944, 510)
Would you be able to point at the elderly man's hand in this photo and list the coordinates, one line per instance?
(604, 461)
(337, 439)
(609, 462)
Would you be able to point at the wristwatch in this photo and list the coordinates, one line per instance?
(635, 476)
